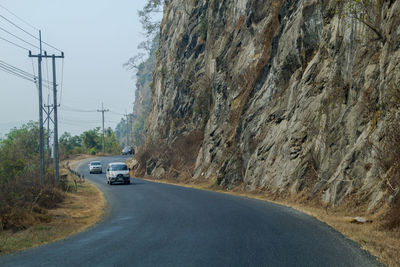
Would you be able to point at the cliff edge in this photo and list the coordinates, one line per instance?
(282, 96)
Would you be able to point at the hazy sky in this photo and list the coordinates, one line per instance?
(97, 38)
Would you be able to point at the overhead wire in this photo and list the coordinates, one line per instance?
(16, 74)
(22, 20)
(72, 124)
(77, 109)
(80, 121)
(19, 38)
(25, 31)
(55, 48)
(17, 45)
(16, 71)
(116, 113)
(10, 69)
(19, 71)
(22, 75)
(15, 25)
(16, 68)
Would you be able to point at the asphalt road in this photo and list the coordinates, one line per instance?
(151, 224)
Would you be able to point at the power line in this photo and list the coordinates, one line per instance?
(26, 76)
(30, 34)
(15, 25)
(80, 121)
(22, 20)
(17, 45)
(77, 110)
(116, 113)
(16, 69)
(10, 69)
(20, 73)
(72, 124)
(49, 45)
(19, 38)
(16, 74)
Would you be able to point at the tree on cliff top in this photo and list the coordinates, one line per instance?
(147, 15)
(142, 66)
(151, 27)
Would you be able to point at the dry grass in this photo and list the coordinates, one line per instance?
(79, 210)
(373, 236)
(388, 155)
(146, 152)
(179, 157)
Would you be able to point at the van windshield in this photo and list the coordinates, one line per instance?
(121, 167)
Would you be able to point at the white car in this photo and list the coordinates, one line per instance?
(118, 172)
(95, 167)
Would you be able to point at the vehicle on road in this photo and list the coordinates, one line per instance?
(128, 150)
(95, 167)
(118, 172)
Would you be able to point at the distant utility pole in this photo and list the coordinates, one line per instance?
(102, 110)
(55, 121)
(128, 129)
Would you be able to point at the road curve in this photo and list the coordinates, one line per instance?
(151, 224)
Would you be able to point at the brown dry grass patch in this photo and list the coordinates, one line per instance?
(80, 210)
(178, 158)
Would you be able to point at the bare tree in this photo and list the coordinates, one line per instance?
(368, 12)
(151, 29)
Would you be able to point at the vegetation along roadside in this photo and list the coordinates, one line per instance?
(31, 213)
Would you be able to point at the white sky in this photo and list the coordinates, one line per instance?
(97, 37)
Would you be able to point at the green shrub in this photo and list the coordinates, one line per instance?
(23, 199)
(92, 151)
(203, 27)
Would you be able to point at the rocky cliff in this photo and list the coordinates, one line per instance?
(132, 130)
(289, 96)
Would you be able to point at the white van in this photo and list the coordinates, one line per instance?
(118, 172)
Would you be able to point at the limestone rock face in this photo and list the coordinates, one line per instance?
(290, 95)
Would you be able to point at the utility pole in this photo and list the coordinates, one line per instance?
(41, 135)
(128, 129)
(55, 157)
(40, 56)
(102, 112)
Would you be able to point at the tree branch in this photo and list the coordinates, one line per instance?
(376, 31)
